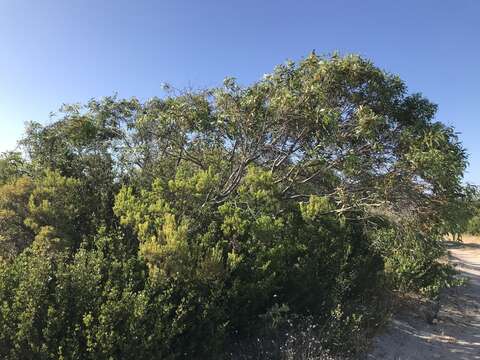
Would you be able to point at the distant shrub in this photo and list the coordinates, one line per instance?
(473, 226)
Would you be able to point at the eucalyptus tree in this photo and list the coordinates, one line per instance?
(337, 127)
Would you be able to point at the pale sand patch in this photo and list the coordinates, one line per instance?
(456, 335)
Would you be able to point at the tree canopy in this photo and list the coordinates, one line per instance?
(168, 228)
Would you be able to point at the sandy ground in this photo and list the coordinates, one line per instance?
(456, 333)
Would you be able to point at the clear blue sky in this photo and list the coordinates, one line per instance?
(62, 51)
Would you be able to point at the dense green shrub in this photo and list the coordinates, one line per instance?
(103, 305)
(473, 225)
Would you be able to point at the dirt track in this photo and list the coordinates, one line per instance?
(456, 334)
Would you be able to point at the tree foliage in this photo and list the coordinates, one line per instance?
(171, 228)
